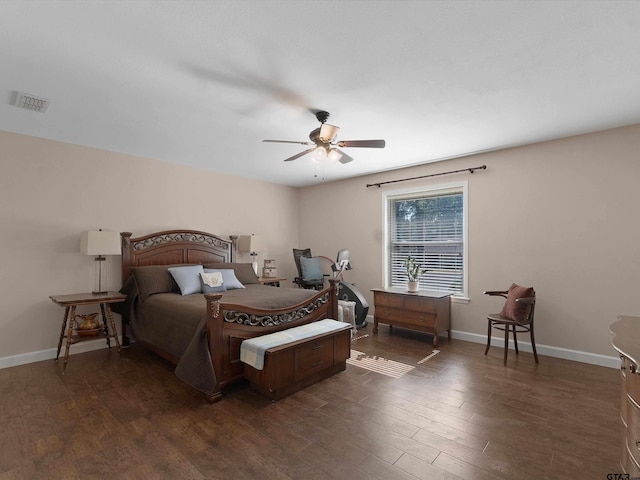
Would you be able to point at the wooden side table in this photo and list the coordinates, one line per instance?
(70, 302)
(271, 281)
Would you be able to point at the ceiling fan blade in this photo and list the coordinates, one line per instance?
(289, 141)
(343, 158)
(298, 155)
(362, 143)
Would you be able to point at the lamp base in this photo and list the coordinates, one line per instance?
(100, 278)
(254, 262)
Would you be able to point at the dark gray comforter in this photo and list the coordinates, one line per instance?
(177, 325)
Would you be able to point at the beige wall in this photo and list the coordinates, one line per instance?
(50, 192)
(561, 216)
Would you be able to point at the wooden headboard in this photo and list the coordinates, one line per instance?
(173, 246)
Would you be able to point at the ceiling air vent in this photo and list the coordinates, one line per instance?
(31, 102)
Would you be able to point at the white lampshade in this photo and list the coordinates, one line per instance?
(97, 242)
(251, 243)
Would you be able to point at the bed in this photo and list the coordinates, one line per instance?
(201, 333)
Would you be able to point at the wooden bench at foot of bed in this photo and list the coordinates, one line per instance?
(282, 363)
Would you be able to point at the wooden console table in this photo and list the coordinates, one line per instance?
(426, 310)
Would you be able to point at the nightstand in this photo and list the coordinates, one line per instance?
(270, 281)
(70, 302)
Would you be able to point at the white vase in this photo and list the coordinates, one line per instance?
(412, 286)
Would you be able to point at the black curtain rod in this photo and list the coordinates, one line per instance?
(470, 170)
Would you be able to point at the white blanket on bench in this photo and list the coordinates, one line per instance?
(252, 350)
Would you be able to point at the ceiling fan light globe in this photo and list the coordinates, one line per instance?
(334, 154)
(320, 154)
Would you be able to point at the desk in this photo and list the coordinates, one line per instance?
(425, 310)
(70, 302)
(271, 281)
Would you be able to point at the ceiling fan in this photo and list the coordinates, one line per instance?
(324, 143)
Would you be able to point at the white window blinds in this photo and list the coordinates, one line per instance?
(430, 227)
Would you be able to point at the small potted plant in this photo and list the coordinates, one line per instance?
(414, 270)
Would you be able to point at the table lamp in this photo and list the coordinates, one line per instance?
(100, 243)
(252, 244)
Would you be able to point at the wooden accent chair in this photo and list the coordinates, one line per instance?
(516, 316)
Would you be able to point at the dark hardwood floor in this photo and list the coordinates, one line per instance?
(460, 414)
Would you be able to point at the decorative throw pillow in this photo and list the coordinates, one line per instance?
(517, 311)
(188, 278)
(244, 271)
(311, 268)
(212, 282)
(229, 279)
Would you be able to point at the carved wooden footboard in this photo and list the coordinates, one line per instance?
(229, 325)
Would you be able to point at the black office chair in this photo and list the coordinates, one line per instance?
(315, 282)
(516, 316)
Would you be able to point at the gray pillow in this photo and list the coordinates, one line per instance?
(152, 279)
(311, 268)
(188, 278)
(229, 280)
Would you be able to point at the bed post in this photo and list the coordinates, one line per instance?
(234, 243)
(215, 325)
(332, 311)
(125, 247)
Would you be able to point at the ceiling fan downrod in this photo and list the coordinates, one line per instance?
(322, 116)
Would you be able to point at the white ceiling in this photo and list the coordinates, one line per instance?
(202, 83)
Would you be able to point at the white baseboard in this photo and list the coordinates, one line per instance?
(557, 352)
(31, 357)
(550, 351)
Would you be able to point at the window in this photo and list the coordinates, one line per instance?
(429, 224)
